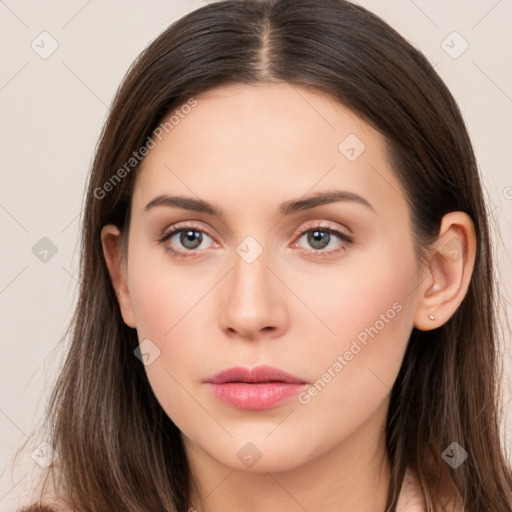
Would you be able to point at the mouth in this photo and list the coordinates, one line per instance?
(259, 388)
(257, 375)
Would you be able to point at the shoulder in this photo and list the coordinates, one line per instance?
(411, 497)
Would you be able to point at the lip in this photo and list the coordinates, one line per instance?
(258, 388)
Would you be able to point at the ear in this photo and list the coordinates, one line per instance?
(110, 237)
(450, 265)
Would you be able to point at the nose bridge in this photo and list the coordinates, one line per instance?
(250, 286)
(252, 302)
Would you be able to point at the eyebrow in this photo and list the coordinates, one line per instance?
(287, 208)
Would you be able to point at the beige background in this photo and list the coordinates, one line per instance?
(52, 111)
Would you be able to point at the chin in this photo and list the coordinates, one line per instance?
(260, 455)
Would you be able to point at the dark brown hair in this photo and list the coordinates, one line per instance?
(118, 450)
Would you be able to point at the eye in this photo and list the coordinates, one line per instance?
(322, 237)
(184, 239)
(188, 241)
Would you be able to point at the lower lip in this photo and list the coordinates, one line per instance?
(257, 396)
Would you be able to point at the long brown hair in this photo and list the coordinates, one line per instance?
(118, 450)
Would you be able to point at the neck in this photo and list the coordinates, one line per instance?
(351, 476)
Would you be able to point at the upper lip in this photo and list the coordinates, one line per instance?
(263, 373)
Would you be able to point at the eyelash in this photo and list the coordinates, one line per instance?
(299, 233)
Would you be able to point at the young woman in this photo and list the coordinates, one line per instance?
(287, 289)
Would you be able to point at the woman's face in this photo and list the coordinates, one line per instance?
(262, 282)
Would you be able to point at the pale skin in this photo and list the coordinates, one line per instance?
(246, 150)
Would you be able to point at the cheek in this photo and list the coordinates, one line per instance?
(161, 292)
(356, 373)
(369, 306)
(163, 316)
(171, 307)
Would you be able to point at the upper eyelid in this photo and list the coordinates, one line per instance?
(306, 226)
(178, 226)
(323, 225)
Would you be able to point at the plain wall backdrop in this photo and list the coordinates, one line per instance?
(62, 62)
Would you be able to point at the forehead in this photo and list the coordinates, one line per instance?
(256, 140)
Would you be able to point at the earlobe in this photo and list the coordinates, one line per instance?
(450, 266)
(110, 236)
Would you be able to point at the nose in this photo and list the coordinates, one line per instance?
(253, 301)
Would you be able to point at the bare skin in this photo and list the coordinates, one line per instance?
(247, 150)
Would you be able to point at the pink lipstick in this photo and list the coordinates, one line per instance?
(254, 389)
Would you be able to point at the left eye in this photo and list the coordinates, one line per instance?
(321, 238)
